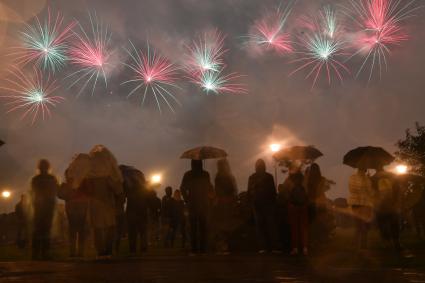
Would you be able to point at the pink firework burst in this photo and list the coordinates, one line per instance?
(31, 95)
(91, 54)
(380, 23)
(270, 32)
(152, 74)
(205, 54)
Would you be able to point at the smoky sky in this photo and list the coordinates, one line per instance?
(277, 108)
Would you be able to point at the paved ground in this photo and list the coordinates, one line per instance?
(202, 269)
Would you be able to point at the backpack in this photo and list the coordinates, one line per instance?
(298, 196)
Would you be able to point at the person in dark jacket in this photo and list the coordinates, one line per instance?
(44, 187)
(166, 211)
(177, 218)
(154, 217)
(298, 215)
(136, 193)
(22, 217)
(224, 209)
(262, 196)
(196, 187)
(76, 207)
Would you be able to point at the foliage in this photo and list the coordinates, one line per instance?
(412, 149)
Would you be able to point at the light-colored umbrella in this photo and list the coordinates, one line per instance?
(204, 152)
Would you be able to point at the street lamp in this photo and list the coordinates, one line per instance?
(6, 194)
(401, 169)
(156, 179)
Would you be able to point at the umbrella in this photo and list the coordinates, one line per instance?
(2, 142)
(368, 157)
(204, 152)
(298, 153)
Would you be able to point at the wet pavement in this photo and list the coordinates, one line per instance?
(202, 269)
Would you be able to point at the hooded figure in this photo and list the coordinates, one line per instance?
(103, 186)
(196, 187)
(262, 196)
(44, 188)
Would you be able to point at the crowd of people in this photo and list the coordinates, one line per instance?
(112, 201)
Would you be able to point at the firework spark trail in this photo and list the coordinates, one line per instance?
(205, 54)
(380, 25)
(270, 32)
(218, 83)
(33, 95)
(322, 51)
(45, 43)
(153, 74)
(91, 53)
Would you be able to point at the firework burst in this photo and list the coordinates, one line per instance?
(218, 83)
(91, 53)
(205, 54)
(45, 43)
(31, 95)
(270, 32)
(380, 27)
(152, 74)
(322, 50)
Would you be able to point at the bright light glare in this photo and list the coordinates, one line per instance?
(401, 169)
(6, 194)
(275, 147)
(156, 179)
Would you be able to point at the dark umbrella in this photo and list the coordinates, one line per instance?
(2, 142)
(368, 157)
(297, 153)
(204, 152)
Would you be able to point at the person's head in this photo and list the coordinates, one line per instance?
(362, 171)
(260, 166)
(168, 191)
(223, 166)
(177, 195)
(197, 165)
(43, 166)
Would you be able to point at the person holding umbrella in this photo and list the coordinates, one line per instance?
(360, 186)
(196, 189)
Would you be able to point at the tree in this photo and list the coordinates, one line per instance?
(412, 149)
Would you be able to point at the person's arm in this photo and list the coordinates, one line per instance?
(272, 187)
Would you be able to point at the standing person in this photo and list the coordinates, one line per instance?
(103, 186)
(360, 200)
(22, 216)
(155, 217)
(298, 215)
(262, 196)
(136, 193)
(387, 206)
(196, 186)
(44, 187)
(178, 218)
(76, 207)
(226, 194)
(166, 210)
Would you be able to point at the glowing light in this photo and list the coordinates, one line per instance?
(275, 147)
(152, 74)
(45, 43)
(401, 169)
(6, 194)
(91, 54)
(33, 95)
(156, 179)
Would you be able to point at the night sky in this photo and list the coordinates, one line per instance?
(278, 107)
